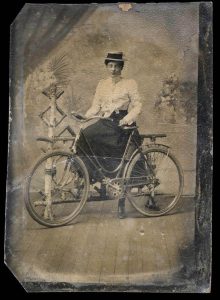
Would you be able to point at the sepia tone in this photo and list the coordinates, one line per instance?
(98, 251)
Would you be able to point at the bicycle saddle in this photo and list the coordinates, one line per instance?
(153, 135)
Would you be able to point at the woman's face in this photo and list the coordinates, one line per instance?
(114, 68)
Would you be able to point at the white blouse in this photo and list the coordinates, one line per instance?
(113, 96)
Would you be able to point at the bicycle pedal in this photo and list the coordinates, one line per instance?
(152, 207)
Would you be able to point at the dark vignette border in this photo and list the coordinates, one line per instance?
(198, 279)
(203, 234)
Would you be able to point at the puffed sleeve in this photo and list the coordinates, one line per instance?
(96, 104)
(135, 104)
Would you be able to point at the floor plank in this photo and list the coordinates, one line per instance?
(110, 248)
(135, 252)
(149, 260)
(81, 261)
(98, 251)
(171, 244)
(100, 248)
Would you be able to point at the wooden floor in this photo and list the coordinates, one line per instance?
(100, 248)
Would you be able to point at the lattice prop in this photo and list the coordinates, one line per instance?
(52, 117)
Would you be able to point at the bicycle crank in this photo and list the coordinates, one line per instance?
(115, 188)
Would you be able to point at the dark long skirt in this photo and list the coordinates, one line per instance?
(106, 140)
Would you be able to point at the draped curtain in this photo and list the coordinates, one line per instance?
(35, 32)
(39, 28)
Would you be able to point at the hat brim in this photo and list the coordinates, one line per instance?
(114, 59)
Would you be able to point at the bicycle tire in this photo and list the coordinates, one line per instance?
(179, 170)
(82, 202)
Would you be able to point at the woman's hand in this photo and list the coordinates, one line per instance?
(125, 121)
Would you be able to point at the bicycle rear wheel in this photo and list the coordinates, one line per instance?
(154, 182)
(57, 189)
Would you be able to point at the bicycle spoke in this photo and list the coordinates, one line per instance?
(64, 193)
(161, 188)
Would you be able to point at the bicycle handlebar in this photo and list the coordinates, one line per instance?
(96, 117)
(83, 119)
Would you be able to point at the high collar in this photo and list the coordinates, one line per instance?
(116, 79)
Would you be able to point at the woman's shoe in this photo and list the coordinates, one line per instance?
(121, 213)
(152, 205)
(121, 209)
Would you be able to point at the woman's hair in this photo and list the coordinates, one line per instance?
(120, 63)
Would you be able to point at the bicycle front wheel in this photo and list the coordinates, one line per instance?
(57, 189)
(154, 181)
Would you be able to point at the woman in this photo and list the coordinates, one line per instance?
(116, 98)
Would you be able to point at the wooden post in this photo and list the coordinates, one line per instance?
(48, 214)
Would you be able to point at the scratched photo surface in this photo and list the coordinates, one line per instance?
(64, 47)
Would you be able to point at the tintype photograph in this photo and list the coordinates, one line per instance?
(110, 148)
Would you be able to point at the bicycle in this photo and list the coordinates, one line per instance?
(58, 186)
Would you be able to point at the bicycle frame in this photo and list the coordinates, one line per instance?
(121, 169)
(121, 185)
(98, 167)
